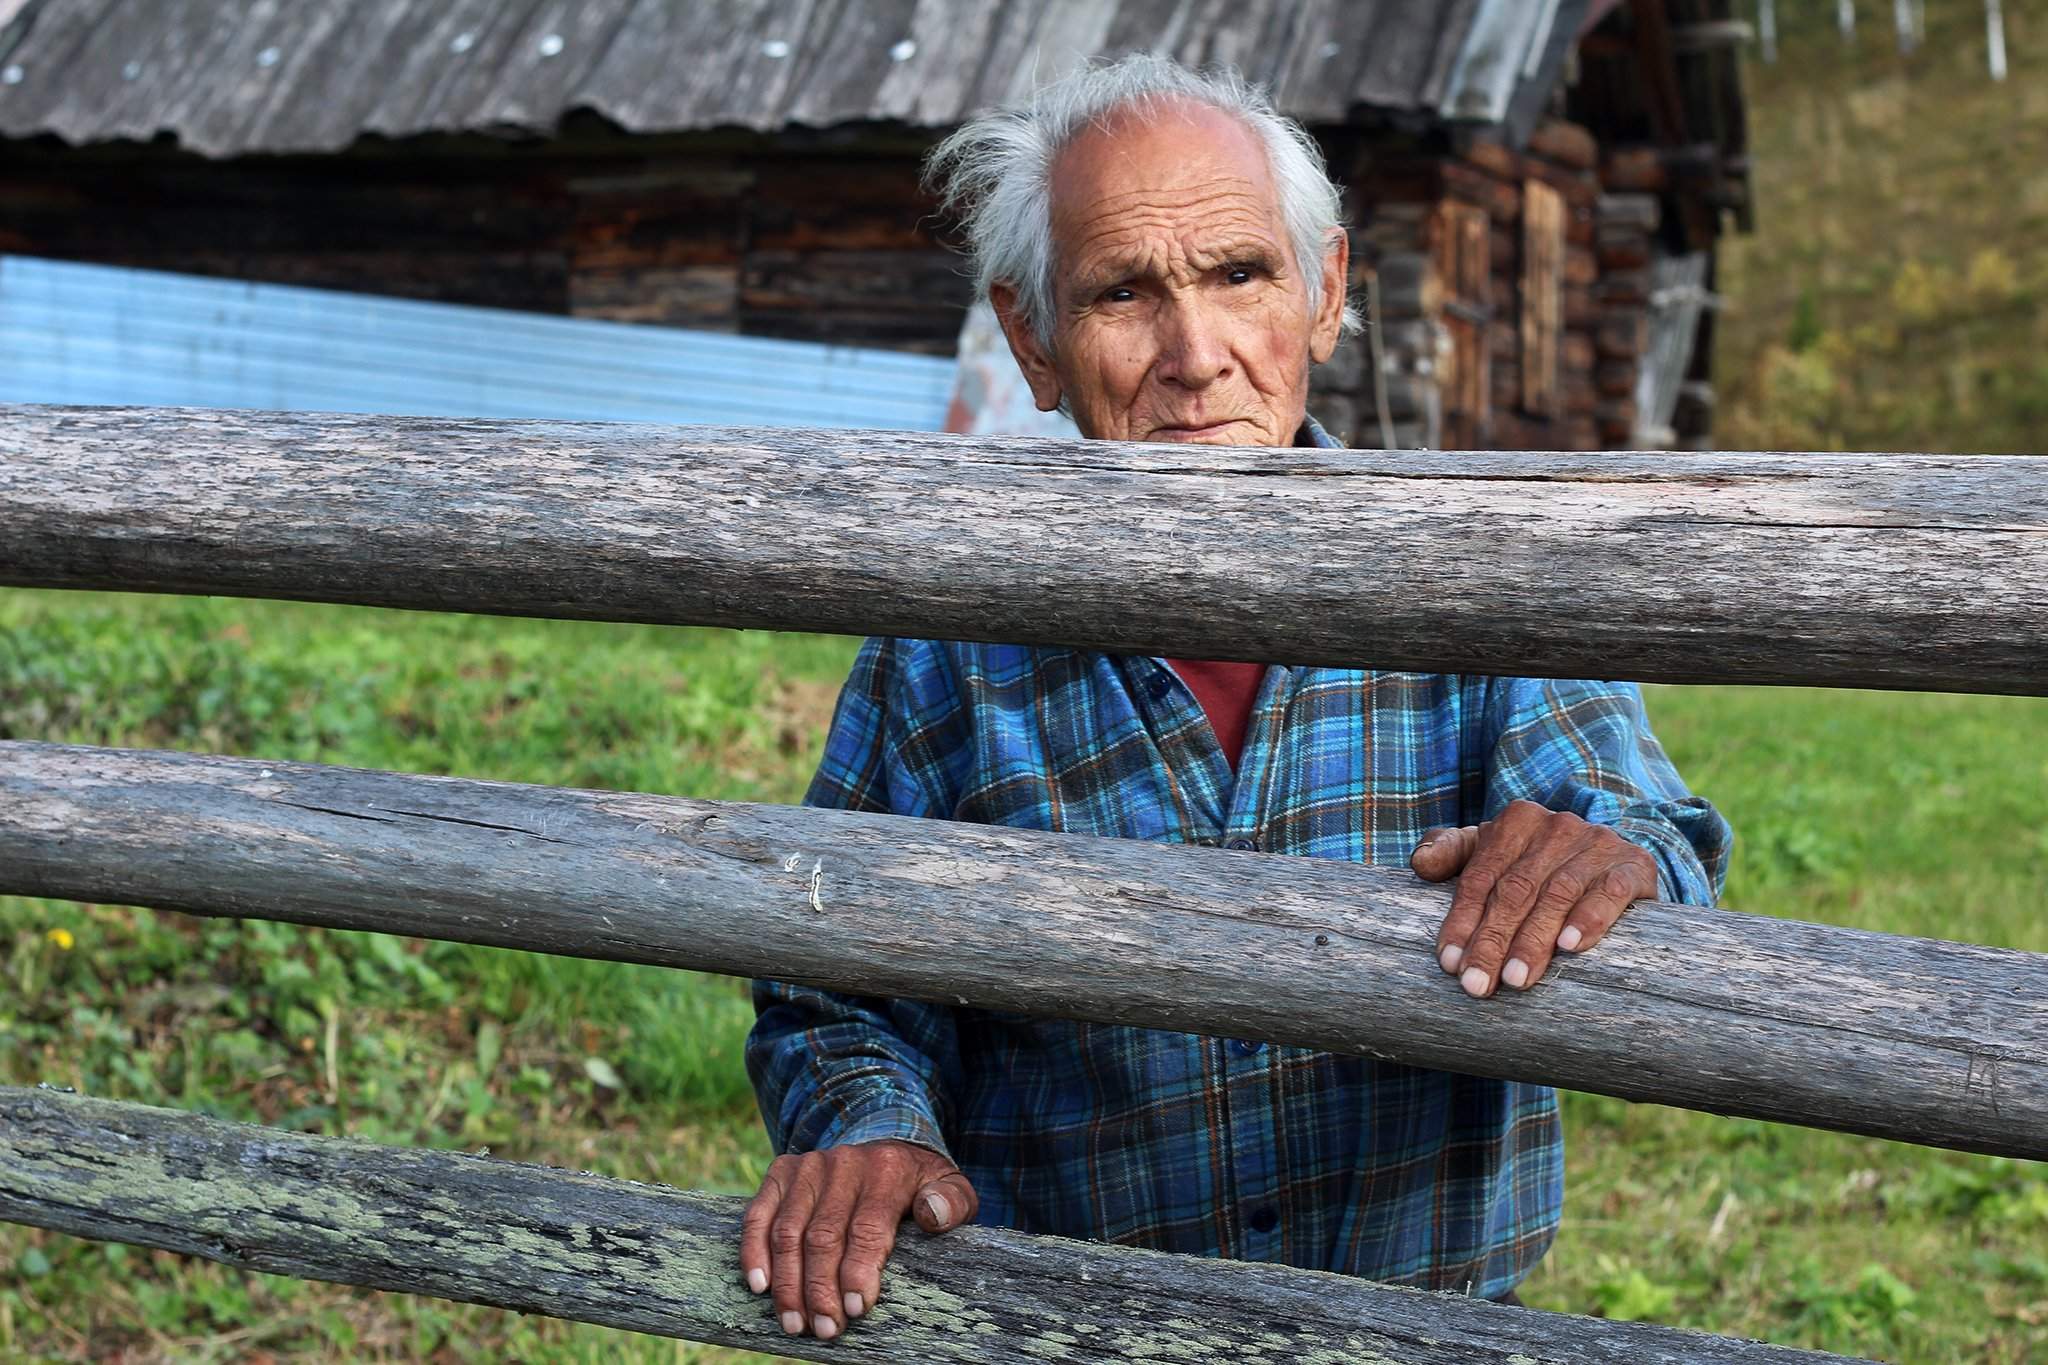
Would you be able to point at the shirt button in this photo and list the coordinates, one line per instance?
(1244, 845)
(1266, 1219)
(1245, 1047)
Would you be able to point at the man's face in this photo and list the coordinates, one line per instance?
(1180, 313)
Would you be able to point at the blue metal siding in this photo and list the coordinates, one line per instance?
(92, 334)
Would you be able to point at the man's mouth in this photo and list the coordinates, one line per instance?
(1193, 431)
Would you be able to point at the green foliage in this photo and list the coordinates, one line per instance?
(1628, 1295)
(1871, 1308)
(1806, 329)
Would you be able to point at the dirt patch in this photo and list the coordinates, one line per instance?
(800, 712)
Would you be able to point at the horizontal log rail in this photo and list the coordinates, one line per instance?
(1901, 571)
(1944, 1044)
(652, 1259)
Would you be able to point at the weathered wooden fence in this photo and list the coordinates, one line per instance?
(1897, 571)
(1836, 570)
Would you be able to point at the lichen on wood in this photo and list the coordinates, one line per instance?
(653, 1259)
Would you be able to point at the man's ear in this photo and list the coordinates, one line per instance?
(1023, 339)
(1329, 321)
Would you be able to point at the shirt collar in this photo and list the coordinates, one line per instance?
(1312, 434)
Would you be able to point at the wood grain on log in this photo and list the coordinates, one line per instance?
(1641, 212)
(648, 1258)
(1944, 1044)
(1623, 333)
(1913, 571)
(1547, 265)
(1635, 169)
(1570, 144)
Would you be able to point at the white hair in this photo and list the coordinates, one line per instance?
(995, 171)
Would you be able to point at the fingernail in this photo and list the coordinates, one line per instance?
(757, 1280)
(1474, 981)
(1516, 973)
(824, 1328)
(938, 1208)
(793, 1323)
(1451, 957)
(854, 1307)
(1569, 939)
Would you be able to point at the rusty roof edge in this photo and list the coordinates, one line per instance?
(1505, 49)
(1544, 69)
(17, 17)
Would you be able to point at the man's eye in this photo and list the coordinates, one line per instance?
(1239, 274)
(1120, 293)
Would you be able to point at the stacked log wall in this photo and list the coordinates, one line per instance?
(1560, 158)
(1392, 189)
(1491, 339)
(810, 245)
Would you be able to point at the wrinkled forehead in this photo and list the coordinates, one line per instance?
(1156, 160)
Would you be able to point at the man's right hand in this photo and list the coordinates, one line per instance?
(824, 1222)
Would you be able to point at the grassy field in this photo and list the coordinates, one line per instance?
(1895, 294)
(1903, 813)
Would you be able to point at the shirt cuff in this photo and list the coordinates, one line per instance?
(896, 1121)
(1680, 878)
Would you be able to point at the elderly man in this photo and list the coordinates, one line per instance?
(1165, 255)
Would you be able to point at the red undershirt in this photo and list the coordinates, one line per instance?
(1226, 691)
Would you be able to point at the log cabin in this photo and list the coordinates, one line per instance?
(1536, 187)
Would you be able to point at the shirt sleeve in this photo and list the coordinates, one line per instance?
(829, 1068)
(1586, 747)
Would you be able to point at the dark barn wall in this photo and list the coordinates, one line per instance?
(811, 244)
(1504, 327)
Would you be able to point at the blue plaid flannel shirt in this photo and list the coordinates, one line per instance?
(1183, 1143)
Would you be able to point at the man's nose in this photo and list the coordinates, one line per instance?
(1195, 352)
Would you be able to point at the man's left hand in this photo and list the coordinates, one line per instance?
(1530, 881)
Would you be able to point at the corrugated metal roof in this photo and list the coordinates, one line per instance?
(227, 77)
(96, 334)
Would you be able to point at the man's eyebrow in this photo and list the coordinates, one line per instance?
(1100, 277)
(1254, 252)
(1258, 253)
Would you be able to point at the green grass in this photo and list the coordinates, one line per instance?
(1895, 295)
(1903, 813)
(384, 1038)
(1896, 812)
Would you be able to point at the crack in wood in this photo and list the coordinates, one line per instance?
(478, 824)
(335, 810)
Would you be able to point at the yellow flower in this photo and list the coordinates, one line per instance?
(62, 938)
